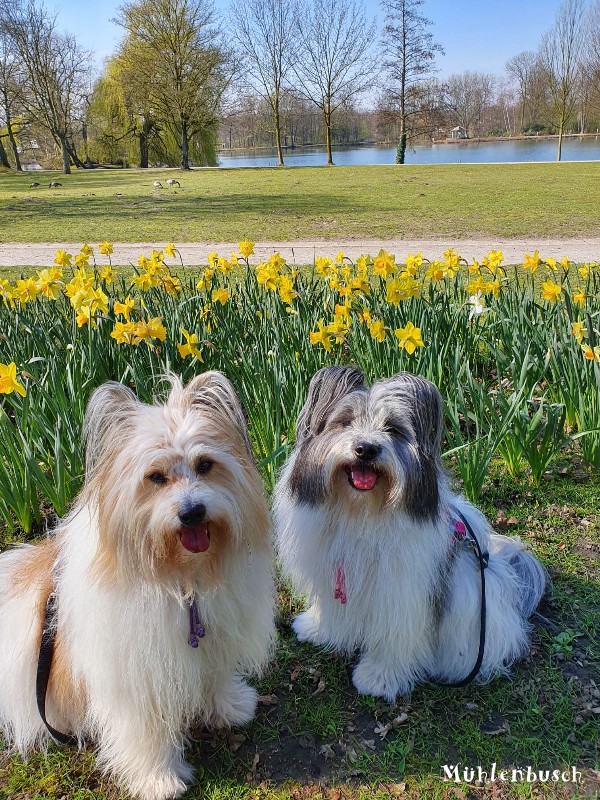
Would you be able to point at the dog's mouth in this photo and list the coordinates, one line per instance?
(362, 477)
(195, 538)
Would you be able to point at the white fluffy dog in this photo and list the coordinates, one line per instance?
(369, 531)
(163, 582)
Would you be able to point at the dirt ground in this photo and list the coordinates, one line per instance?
(303, 251)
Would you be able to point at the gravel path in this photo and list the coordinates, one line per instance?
(304, 251)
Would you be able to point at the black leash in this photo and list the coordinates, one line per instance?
(43, 669)
(483, 559)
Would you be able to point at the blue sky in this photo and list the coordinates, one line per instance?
(476, 34)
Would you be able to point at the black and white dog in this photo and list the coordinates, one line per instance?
(369, 531)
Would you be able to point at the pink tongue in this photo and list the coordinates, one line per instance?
(363, 478)
(195, 538)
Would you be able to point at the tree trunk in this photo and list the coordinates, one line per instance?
(327, 115)
(560, 138)
(11, 135)
(4, 162)
(65, 156)
(13, 145)
(277, 121)
(185, 156)
(143, 137)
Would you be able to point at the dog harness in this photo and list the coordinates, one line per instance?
(462, 535)
(46, 653)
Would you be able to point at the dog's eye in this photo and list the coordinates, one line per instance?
(344, 422)
(204, 466)
(394, 430)
(157, 477)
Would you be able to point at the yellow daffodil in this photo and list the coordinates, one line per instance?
(532, 262)
(62, 258)
(324, 266)
(171, 284)
(435, 271)
(413, 263)
(551, 264)
(48, 282)
(125, 308)
(384, 264)
(377, 330)
(286, 289)
(409, 338)
(26, 289)
(190, 347)
(86, 250)
(145, 281)
(579, 330)
(108, 275)
(151, 329)
(170, 250)
(579, 298)
(7, 292)
(565, 264)
(321, 336)
(340, 257)
(591, 353)
(365, 317)
(124, 332)
(551, 291)
(105, 248)
(84, 316)
(584, 270)
(8, 380)
(246, 248)
(220, 296)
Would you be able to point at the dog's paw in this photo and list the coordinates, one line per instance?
(307, 627)
(235, 705)
(371, 678)
(162, 785)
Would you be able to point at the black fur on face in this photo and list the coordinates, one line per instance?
(401, 416)
(420, 404)
(327, 388)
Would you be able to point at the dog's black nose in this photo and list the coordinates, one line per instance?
(192, 514)
(367, 451)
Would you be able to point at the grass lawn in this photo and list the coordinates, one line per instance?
(461, 201)
(314, 738)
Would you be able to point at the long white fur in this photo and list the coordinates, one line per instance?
(127, 643)
(393, 565)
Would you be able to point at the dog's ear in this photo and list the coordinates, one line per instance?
(213, 390)
(325, 390)
(423, 402)
(108, 415)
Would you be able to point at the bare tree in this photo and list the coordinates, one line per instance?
(521, 68)
(264, 36)
(561, 51)
(334, 62)
(57, 71)
(175, 50)
(11, 92)
(469, 94)
(409, 64)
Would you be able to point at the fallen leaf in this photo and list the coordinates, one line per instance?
(327, 751)
(268, 699)
(383, 730)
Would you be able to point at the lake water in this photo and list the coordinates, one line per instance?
(574, 149)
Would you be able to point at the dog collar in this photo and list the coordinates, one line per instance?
(197, 631)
